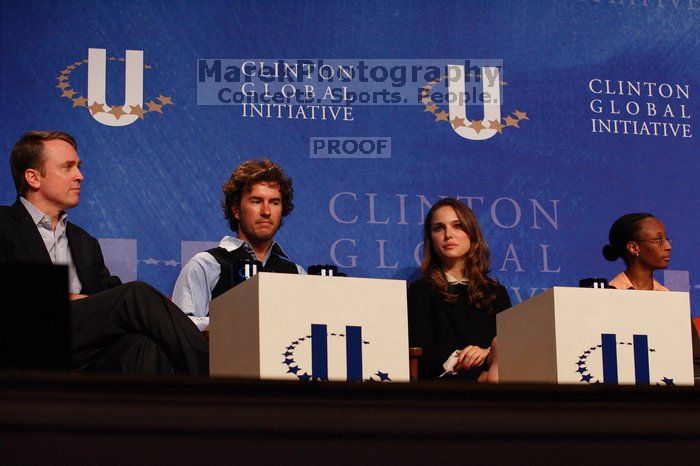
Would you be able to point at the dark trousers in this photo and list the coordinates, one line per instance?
(134, 328)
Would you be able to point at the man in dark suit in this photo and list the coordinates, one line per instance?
(114, 327)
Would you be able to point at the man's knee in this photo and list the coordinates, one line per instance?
(140, 287)
(144, 291)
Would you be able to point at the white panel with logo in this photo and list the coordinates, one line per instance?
(300, 327)
(589, 336)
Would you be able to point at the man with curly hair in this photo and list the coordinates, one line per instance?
(256, 197)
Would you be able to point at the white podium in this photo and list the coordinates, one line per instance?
(301, 327)
(587, 336)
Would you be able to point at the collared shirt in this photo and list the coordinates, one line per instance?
(621, 282)
(453, 281)
(199, 276)
(56, 242)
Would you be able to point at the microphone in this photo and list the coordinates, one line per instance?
(594, 283)
(242, 270)
(325, 270)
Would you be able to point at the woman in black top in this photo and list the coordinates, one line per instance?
(453, 306)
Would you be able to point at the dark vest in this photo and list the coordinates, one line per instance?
(277, 263)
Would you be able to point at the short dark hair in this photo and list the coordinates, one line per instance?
(28, 153)
(247, 174)
(623, 231)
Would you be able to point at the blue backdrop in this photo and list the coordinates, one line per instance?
(597, 110)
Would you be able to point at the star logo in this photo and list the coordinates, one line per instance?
(476, 126)
(510, 121)
(96, 107)
(294, 363)
(495, 124)
(457, 122)
(79, 102)
(442, 116)
(382, 376)
(668, 381)
(154, 107)
(68, 93)
(153, 261)
(117, 111)
(520, 115)
(165, 100)
(587, 364)
(65, 87)
(138, 111)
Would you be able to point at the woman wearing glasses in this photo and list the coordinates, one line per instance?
(452, 308)
(641, 241)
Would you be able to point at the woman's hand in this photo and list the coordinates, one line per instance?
(471, 356)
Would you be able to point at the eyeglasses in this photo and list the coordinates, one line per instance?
(657, 241)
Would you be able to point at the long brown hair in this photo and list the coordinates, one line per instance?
(480, 288)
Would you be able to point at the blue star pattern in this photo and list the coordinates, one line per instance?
(582, 365)
(589, 378)
(294, 368)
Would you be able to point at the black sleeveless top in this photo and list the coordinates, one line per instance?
(278, 262)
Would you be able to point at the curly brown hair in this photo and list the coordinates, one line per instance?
(246, 175)
(480, 288)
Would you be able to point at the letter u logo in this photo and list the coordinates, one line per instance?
(641, 358)
(133, 87)
(458, 108)
(319, 351)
